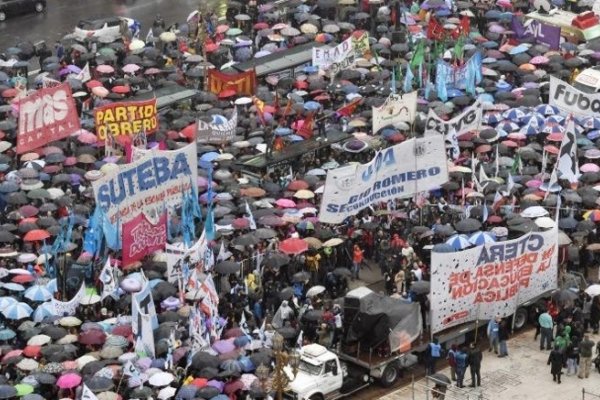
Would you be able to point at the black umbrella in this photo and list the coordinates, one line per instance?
(564, 296)
(420, 287)
(468, 225)
(246, 240)
(301, 276)
(440, 379)
(99, 384)
(340, 271)
(227, 267)
(276, 260)
(286, 293)
(203, 359)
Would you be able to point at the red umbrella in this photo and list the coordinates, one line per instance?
(484, 148)
(240, 223)
(234, 386)
(32, 351)
(494, 219)
(28, 211)
(297, 185)
(36, 234)
(555, 137)
(301, 85)
(68, 381)
(189, 132)
(122, 330)
(92, 337)
(121, 89)
(93, 83)
(551, 149)
(227, 93)
(9, 93)
(293, 246)
(211, 47)
(23, 278)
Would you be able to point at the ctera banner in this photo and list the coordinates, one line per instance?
(572, 100)
(468, 120)
(397, 108)
(492, 279)
(153, 181)
(403, 170)
(45, 116)
(142, 237)
(126, 118)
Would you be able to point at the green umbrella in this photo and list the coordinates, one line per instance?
(233, 32)
(107, 52)
(23, 389)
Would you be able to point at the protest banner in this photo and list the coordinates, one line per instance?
(179, 257)
(243, 83)
(399, 171)
(543, 33)
(324, 56)
(468, 120)
(397, 108)
(142, 304)
(153, 180)
(217, 133)
(572, 100)
(108, 279)
(64, 308)
(464, 76)
(491, 279)
(126, 118)
(142, 237)
(361, 45)
(45, 116)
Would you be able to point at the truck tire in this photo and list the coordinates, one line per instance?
(316, 397)
(521, 317)
(389, 375)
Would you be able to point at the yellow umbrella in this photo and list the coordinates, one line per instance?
(313, 242)
(333, 242)
(304, 194)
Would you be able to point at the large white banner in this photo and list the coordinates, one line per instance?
(199, 256)
(402, 170)
(468, 120)
(152, 181)
(397, 108)
(572, 100)
(325, 56)
(492, 279)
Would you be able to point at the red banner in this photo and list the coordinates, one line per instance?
(141, 237)
(126, 118)
(243, 83)
(47, 115)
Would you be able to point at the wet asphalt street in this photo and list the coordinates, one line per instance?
(61, 17)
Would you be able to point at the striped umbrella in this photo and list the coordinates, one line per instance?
(6, 301)
(38, 293)
(479, 238)
(44, 310)
(458, 242)
(17, 311)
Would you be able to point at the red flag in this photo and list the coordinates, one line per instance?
(435, 31)
(260, 108)
(463, 28)
(306, 130)
(286, 111)
(349, 109)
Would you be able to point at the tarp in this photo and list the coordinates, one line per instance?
(381, 315)
(46, 116)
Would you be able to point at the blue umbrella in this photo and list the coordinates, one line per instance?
(6, 301)
(443, 13)
(9, 187)
(493, 14)
(530, 129)
(486, 98)
(507, 16)
(593, 135)
(479, 238)
(350, 89)
(458, 242)
(589, 123)
(568, 46)
(7, 334)
(555, 119)
(508, 126)
(534, 118)
(454, 93)
(492, 118)
(518, 49)
(442, 248)
(514, 114)
(209, 157)
(38, 293)
(283, 131)
(295, 138)
(547, 109)
(17, 311)
(310, 69)
(490, 44)
(52, 285)
(311, 106)
(187, 392)
(43, 311)
(15, 287)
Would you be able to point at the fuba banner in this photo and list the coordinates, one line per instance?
(468, 121)
(413, 166)
(572, 100)
(492, 279)
(149, 183)
(397, 108)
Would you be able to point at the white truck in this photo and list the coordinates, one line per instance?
(378, 335)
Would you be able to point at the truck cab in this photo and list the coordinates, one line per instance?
(320, 375)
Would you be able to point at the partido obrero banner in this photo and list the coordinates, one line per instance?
(397, 108)
(572, 100)
(325, 56)
(402, 170)
(47, 115)
(148, 183)
(492, 279)
(126, 118)
(217, 133)
(468, 120)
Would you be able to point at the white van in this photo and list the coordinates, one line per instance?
(588, 80)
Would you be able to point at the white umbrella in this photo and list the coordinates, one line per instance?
(167, 37)
(166, 393)
(544, 222)
(593, 290)
(17, 311)
(315, 290)
(27, 364)
(534, 212)
(161, 379)
(39, 340)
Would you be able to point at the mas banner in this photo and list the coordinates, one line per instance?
(126, 118)
(154, 180)
(572, 100)
(397, 108)
(468, 120)
(402, 170)
(141, 237)
(47, 115)
(544, 34)
(243, 83)
(217, 133)
(492, 279)
(325, 56)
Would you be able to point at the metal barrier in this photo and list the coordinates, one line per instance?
(589, 395)
(432, 391)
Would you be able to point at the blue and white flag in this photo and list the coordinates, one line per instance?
(250, 217)
(408, 78)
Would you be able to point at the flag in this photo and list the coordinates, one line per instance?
(306, 130)
(468, 209)
(87, 394)
(408, 78)
(85, 74)
(459, 48)
(418, 55)
(497, 200)
(440, 82)
(485, 215)
(261, 330)
(393, 81)
(149, 36)
(510, 183)
(453, 140)
(107, 277)
(482, 175)
(348, 109)
(286, 111)
(130, 370)
(260, 108)
(551, 182)
(435, 31)
(497, 162)
(567, 157)
(49, 82)
(558, 204)
(244, 324)
(517, 166)
(250, 217)
(300, 339)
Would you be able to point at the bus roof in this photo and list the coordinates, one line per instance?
(280, 60)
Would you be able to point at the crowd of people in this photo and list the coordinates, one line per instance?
(277, 289)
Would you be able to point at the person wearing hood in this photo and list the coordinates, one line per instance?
(284, 313)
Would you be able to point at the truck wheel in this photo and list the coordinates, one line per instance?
(520, 318)
(316, 397)
(389, 375)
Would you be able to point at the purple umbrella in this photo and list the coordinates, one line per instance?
(216, 384)
(223, 346)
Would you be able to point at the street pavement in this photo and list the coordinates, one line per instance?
(62, 16)
(523, 375)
